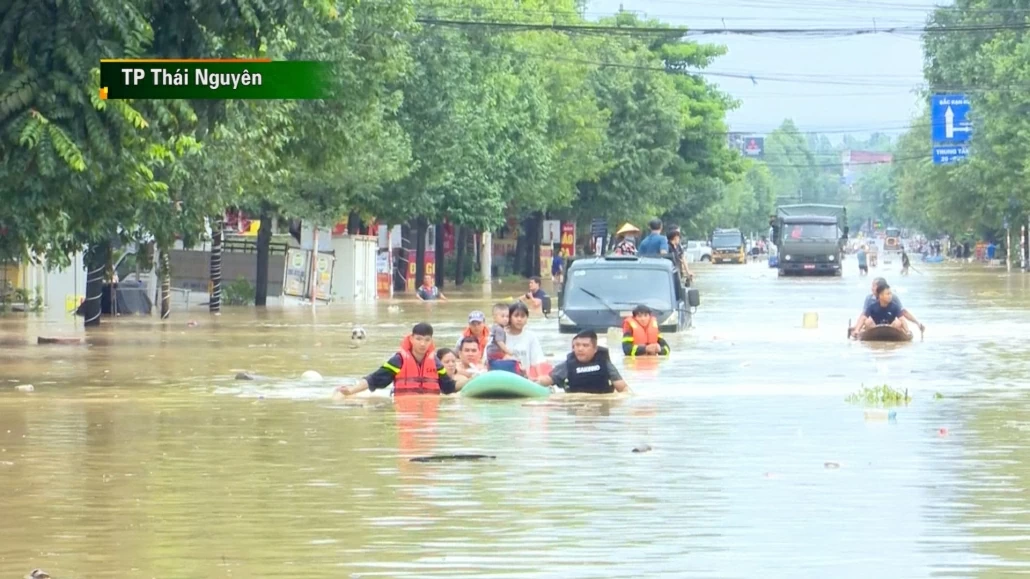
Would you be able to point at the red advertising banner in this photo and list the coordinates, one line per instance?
(383, 282)
(568, 237)
(412, 265)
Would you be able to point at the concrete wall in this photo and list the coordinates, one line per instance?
(192, 269)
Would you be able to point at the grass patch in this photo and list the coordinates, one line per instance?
(883, 395)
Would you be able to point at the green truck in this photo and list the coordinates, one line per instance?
(810, 239)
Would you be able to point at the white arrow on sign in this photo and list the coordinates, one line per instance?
(949, 123)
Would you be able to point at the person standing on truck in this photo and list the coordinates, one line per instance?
(679, 255)
(627, 240)
(654, 244)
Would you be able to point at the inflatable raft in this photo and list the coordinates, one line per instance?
(884, 334)
(500, 384)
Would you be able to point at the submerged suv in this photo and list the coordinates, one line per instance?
(599, 292)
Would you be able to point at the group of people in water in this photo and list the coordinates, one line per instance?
(505, 344)
(866, 258)
(419, 367)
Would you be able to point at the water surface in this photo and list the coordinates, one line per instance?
(139, 455)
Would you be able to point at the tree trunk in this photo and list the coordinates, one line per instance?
(156, 261)
(264, 242)
(400, 264)
(441, 257)
(354, 223)
(534, 243)
(520, 252)
(420, 250)
(164, 273)
(96, 264)
(215, 303)
(460, 247)
(477, 249)
(531, 241)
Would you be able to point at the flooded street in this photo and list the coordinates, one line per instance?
(140, 455)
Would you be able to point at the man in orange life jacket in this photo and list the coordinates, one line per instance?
(412, 370)
(587, 370)
(640, 336)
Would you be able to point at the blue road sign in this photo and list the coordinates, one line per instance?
(949, 117)
(947, 154)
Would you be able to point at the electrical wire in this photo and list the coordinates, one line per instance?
(652, 30)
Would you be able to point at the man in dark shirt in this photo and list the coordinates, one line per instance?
(675, 238)
(418, 346)
(884, 311)
(871, 299)
(588, 369)
(535, 296)
(428, 291)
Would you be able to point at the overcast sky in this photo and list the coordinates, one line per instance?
(839, 84)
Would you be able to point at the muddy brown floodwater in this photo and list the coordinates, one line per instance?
(139, 455)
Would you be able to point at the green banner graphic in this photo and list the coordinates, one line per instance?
(214, 79)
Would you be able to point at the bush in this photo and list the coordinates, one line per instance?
(238, 293)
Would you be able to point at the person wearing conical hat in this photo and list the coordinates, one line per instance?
(627, 240)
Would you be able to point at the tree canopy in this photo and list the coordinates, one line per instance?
(430, 120)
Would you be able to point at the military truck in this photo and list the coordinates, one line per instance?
(810, 238)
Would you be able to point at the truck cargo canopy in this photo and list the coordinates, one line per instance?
(811, 209)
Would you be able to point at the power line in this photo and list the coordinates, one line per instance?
(652, 30)
(762, 77)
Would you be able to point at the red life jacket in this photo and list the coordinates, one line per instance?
(415, 378)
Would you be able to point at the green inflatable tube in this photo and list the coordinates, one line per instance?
(501, 384)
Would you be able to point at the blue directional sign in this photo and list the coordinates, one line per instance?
(946, 154)
(949, 117)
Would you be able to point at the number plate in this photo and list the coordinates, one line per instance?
(809, 267)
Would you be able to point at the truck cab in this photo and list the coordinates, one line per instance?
(892, 239)
(728, 246)
(810, 239)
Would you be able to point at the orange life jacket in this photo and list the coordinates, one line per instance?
(641, 336)
(482, 338)
(415, 378)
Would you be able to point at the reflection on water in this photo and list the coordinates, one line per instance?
(139, 454)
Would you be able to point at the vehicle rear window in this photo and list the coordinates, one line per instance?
(621, 288)
(811, 231)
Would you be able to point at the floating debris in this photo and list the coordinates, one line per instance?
(452, 457)
(831, 465)
(937, 396)
(642, 448)
(880, 396)
(25, 388)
